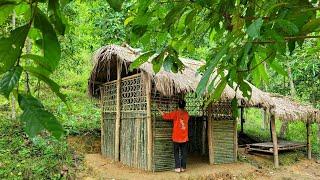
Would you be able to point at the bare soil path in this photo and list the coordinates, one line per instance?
(98, 167)
(250, 166)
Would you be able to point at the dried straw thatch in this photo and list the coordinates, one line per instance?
(168, 83)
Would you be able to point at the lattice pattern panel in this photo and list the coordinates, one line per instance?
(109, 96)
(194, 105)
(221, 110)
(133, 97)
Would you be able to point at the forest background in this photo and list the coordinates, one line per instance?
(91, 25)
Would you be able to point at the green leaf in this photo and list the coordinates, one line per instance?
(311, 26)
(49, 44)
(37, 72)
(245, 89)
(28, 102)
(287, 26)
(174, 15)
(41, 61)
(140, 60)
(157, 62)
(212, 63)
(234, 106)
(56, 17)
(11, 47)
(218, 90)
(9, 80)
(115, 4)
(128, 20)
(36, 118)
(253, 30)
(168, 62)
(6, 8)
(277, 67)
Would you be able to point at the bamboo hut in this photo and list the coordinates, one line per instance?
(132, 130)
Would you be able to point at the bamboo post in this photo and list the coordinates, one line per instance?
(149, 122)
(210, 139)
(103, 151)
(308, 139)
(242, 119)
(274, 140)
(118, 114)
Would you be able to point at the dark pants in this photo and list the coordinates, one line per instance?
(180, 149)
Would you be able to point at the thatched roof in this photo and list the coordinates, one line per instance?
(168, 83)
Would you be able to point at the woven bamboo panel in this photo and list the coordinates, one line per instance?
(133, 140)
(223, 139)
(163, 158)
(133, 131)
(108, 117)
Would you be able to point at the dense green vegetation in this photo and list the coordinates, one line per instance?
(48, 73)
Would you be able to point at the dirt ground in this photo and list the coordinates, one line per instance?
(250, 166)
(98, 167)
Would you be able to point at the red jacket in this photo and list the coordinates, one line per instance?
(180, 120)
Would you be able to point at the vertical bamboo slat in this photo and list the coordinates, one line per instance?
(149, 122)
(308, 139)
(118, 113)
(274, 140)
(103, 145)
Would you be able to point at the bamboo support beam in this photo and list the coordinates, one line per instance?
(274, 140)
(149, 122)
(103, 146)
(118, 114)
(308, 139)
(242, 119)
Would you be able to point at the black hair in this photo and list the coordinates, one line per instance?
(182, 104)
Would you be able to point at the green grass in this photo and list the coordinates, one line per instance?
(39, 158)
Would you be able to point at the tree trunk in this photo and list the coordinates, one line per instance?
(292, 88)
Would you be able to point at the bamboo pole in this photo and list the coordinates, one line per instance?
(308, 139)
(118, 113)
(149, 122)
(242, 119)
(210, 140)
(274, 140)
(103, 145)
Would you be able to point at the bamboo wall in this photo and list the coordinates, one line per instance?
(163, 158)
(108, 105)
(133, 130)
(224, 134)
(133, 127)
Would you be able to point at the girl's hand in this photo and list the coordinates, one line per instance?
(161, 112)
